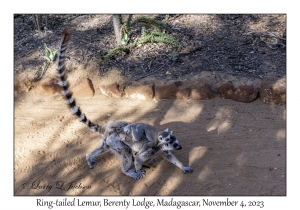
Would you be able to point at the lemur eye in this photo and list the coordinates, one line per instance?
(167, 139)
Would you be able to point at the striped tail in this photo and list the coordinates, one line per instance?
(65, 86)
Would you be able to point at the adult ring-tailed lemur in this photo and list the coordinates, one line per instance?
(118, 136)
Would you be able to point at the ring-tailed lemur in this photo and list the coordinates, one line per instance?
(111, 131)
(66, 35)
(146, 141)
(115, 133)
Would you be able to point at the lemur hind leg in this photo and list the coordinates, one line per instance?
(142, 157)
(123, 152)
(126, 163)
(125, 156)
(91, 157)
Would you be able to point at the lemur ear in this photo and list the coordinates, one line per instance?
(171, 132)
(167, 130)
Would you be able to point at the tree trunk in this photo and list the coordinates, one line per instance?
(37, 22)
(46, 22)
(117, 28)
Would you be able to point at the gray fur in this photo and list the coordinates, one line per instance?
(146, 141)
(111, 141)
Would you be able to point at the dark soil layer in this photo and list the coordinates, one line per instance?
(239, 45)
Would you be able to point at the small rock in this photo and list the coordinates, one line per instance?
(47, 86)
(227, 90)
(201, 91)
(243, 93)
(166, 91)
(273, 91)
(84, 88)
(112, 90)
(23, 85)
(143, 91)
(183, 93)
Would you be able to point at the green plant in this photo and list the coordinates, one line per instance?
(125, 39)
(50, 55)
(158, 35)
(158, 24)
(174, 55)
(120, 72)
(115, 51)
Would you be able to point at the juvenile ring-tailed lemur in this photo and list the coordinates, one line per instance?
(146, 141)
(113, 140)
(112, 131)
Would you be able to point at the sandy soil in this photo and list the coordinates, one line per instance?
(234, 148)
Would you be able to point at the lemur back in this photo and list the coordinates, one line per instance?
(66, 35)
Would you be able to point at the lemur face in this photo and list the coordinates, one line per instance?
(168, 141)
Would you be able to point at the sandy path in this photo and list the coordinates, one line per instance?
(234, 148)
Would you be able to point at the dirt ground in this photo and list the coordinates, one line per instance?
(234, 148)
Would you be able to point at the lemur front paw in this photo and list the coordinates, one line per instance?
(187, 169)
(90, 160)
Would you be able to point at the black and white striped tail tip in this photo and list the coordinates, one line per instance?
(66, 34)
